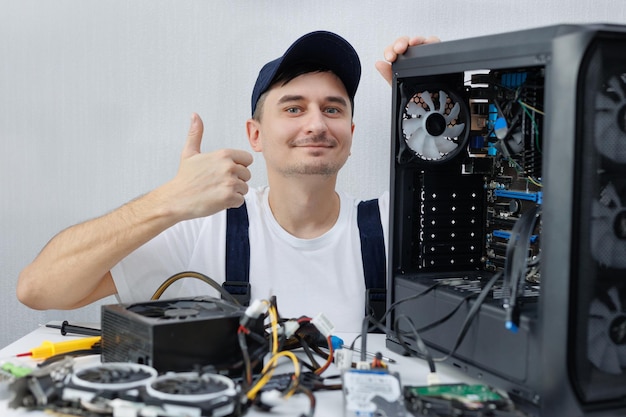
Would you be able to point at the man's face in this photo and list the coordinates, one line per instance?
(305, 127)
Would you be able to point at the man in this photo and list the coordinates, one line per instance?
(303, 234)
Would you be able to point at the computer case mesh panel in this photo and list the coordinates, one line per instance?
(509, 165)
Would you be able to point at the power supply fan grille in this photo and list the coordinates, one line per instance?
(607, 333)
(178, 309)
(433, 125)
(608, 229)
(610, 132)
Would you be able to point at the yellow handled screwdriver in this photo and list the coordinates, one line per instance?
(48, 349)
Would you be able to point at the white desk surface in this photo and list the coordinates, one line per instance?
(328, 403)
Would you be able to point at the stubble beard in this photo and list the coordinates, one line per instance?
(323, 169)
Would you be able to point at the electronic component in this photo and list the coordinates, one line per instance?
(458, 400)
(372, 392)
(126, 389)
(175, 335)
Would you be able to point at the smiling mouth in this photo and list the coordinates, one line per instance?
(320, 141)
(315, 145)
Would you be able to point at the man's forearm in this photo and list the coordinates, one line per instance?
(68, 272)
(73, 269)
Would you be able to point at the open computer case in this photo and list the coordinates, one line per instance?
(509, 160)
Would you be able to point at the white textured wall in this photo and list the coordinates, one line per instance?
(95, 97)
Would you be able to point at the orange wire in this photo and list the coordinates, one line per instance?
(329, 360)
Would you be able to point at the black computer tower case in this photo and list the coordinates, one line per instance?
(509, 159)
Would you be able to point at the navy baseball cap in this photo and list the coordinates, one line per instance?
(326, 48)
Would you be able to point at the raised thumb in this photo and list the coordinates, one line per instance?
(194, 137)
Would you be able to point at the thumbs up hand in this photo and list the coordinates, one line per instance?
(207, 183)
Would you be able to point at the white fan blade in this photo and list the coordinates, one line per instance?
(601, 233)
(604, 102)
(600, 212)
(610, 140)
(621, 353)
(605, 121)
(430, 148)
(597, 348)
(606, 248)
(609, 196)
(415, 109)
(416, 141)
(614, 296)
(409, 126)
(598, 310)
(597, 327)
(614, 251)
(454, 131)
(443, 98)
(444, 145)
(428, 100)
(453, 113)
(610, 360)
(617, 87)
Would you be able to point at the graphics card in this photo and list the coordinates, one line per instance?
(175, 335)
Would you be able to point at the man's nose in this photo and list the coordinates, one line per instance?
(316, 121)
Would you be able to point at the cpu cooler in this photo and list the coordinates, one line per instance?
(433, 124)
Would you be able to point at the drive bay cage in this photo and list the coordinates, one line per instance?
(508, 193)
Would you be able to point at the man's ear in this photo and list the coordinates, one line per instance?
(253, 129)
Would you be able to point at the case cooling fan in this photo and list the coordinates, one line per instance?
(433, 124)
(607, 332)
(183, 393)
(610, 132)
(608, 231)
(113, 376)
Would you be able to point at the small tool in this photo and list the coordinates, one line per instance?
(48, 349)
(71, 328)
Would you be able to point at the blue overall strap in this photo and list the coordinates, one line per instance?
(237, 281)
(373, 256)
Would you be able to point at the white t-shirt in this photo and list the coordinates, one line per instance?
(307, 276)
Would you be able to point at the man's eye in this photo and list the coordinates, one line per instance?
(332, 110)
(293, 110)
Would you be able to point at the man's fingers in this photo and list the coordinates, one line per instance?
(390, 53)
(243, 173)
(398, 47)
(432, 39)
(241, 157)
(194, 137)
(402, 44)
(384, 68)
